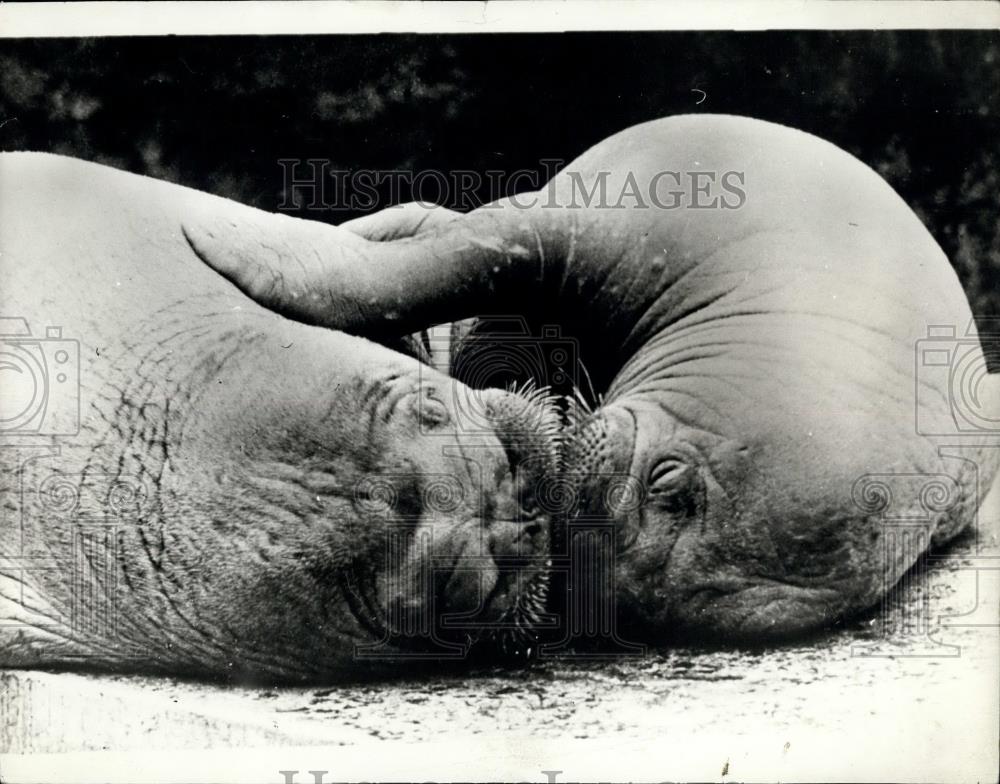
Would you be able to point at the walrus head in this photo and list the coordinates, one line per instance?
(455, 541)
(296, 524)
(391, 516)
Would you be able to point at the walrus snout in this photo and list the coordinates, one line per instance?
(473, 570)
(598, 464)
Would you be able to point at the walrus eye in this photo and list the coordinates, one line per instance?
(670, 482)
(430, 410)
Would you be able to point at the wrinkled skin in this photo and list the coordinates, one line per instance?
(246, 495)
(756, 363)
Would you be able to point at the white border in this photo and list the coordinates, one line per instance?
(263, 17)
(482, 759)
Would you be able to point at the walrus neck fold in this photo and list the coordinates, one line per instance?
(483, 262)
(538, 259)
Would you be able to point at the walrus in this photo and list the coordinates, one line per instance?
(750, 302)
(195, 484)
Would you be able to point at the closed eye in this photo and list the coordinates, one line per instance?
(669, 474)
(674, 486)
(430, 410)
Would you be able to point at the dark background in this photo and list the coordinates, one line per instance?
(216, 113)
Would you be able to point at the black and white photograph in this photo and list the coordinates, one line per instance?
(512, 391)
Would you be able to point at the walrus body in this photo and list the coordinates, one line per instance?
(238, 493)
(755, 354)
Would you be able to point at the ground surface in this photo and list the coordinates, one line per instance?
(920, 703)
